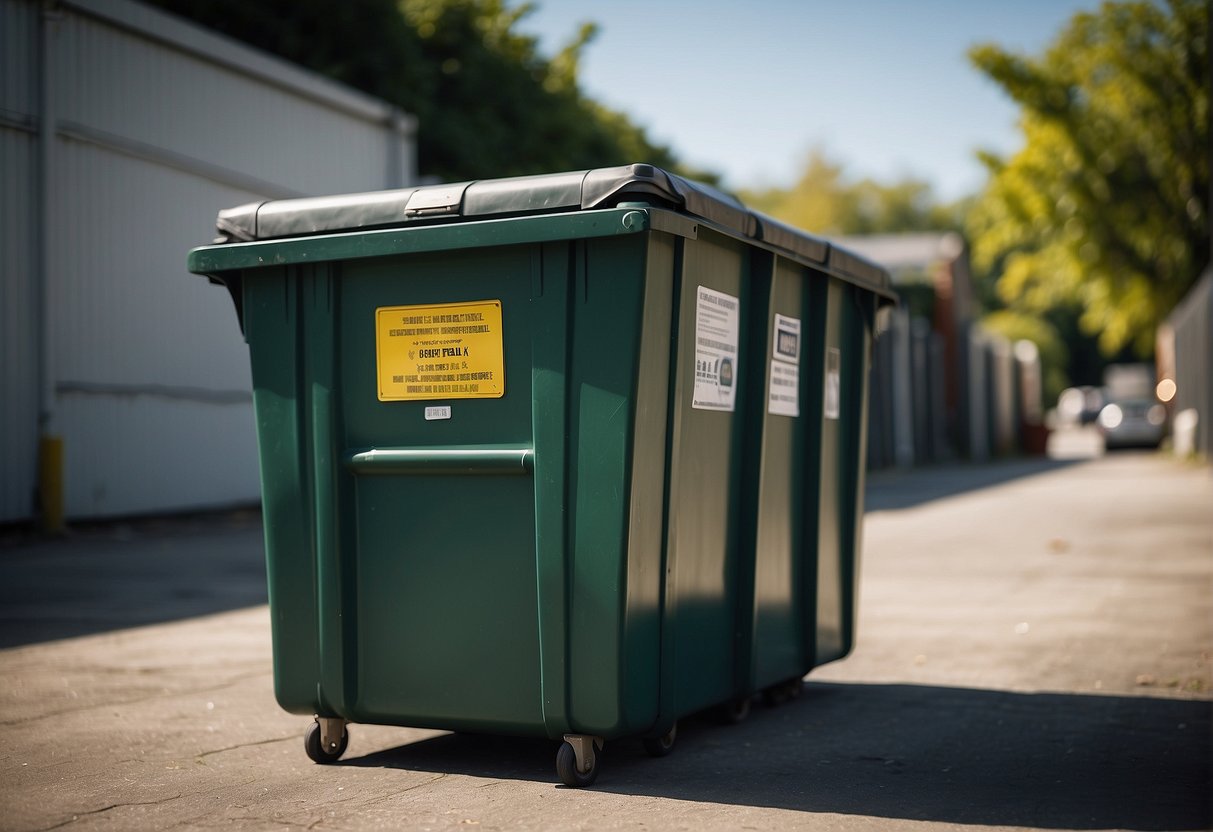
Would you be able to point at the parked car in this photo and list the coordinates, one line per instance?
(1080, 405)
(1133, 423)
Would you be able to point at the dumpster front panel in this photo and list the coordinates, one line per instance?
(447, 616)
(419, 547)
(443, 560)
(516, 539)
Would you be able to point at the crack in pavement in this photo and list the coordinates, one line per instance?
(399, 792)
(119, 703)
(198, 757)
(78, 815)
(192, 822)
(289, 824)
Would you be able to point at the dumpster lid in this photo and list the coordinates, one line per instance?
(859, 269)
(538, 195)
(521, 195)
(789, 238)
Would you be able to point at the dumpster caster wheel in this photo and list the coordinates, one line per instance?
(736, 711)
(314, 744)
(782, 693)
(578, 770)
(663, 745)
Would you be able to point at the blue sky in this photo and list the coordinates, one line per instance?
(748, 88)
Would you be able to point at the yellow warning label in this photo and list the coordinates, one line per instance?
(447, 351)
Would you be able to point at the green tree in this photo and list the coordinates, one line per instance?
(825, 201)
(1106, 205)
(494, 106)
(487, 102)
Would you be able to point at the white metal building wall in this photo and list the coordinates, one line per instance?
(157, 125)
(18, 370)
(1191, 327)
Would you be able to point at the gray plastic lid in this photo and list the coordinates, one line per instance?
(790, 238)
(860, 269)
(600, 188)
(530, 195)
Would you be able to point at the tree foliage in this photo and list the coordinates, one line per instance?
(1106, 205)
(488, 103)
(825, 201)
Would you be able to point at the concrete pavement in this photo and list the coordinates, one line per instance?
(109, 576)
(1037, 652)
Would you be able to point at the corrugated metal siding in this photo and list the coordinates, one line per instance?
(150, 374)
(119, 84)
(18, 54)
(140, 454)
(18, 372)
(123, 307)
(1192, 326)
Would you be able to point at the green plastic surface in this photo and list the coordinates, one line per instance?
(587, 553)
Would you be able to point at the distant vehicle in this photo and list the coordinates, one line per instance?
(1080, 405)
(1133, 423)
(1128, 381)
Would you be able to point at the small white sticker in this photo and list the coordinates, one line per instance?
(833, 393)
(439, 412)
(717, 333)
(783, 396)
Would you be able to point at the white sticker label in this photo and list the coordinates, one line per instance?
(439, 412)
(833, 393)
(783, 397)
(717, 332)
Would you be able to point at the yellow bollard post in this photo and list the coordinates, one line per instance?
(50, 483)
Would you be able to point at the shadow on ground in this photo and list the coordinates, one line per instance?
(894, 490)
(1052, 761)
(113, 575)
(117, 574)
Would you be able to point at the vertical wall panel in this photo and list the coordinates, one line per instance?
(18, 371)
(1192, 325)
(124, 308)
(158, 125)
(18, 56)
(118, 83)
(152, 374)
(18, 374)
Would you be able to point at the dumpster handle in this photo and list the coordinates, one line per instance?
(456, 461)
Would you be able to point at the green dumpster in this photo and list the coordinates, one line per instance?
(502, 430)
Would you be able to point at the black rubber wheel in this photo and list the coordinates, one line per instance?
(566, 768)
(663, 745)
(784, 692)
(317, 752)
